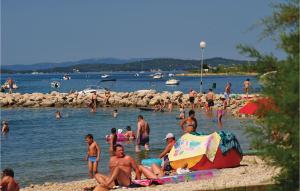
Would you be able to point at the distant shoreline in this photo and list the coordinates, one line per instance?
(220, 74)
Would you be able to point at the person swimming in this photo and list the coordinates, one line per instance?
(57, 115)
(129, 134)
(115, 113)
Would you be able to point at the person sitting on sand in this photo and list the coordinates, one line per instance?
(115, 113)
(189, 124)
(5, 127)
(93, 155)
(8, 182)
(120, 166)
(57, 114)
(129, 134)
(210, 97)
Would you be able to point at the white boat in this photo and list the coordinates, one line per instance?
(172, 82)
(92, 88)
(67, 77)
(157, 75)
(104, 76)
(55, 84)
(171, 75)
(136, 74)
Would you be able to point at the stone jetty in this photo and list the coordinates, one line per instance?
(141, 98)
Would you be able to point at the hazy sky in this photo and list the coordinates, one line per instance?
(35, 31)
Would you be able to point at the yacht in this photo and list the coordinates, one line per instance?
(158, 75)
(67, 77)
(171, 75)
(172, 82)
(93, 88)
(104, 76)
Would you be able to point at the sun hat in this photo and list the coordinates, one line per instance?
(169, 135)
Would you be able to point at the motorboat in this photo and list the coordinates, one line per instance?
(158, 75)
(172, 82)
(171, 75)
(104, 76)
(67, 77)
(109, 80)
(55, 84)
(93, 88)
(136, 74)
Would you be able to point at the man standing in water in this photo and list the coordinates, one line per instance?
(210, 97)
(93, 104)
(247, 85)
(120, 166)
(142, 134)
(93, 155)
(192, 95)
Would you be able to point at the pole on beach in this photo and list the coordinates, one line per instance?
(202, 46)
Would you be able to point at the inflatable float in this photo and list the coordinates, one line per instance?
(120, 137)
(150, 161)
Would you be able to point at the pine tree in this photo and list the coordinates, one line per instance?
(278, 134)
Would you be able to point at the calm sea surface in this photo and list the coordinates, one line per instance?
(125, 81)
(42, 149)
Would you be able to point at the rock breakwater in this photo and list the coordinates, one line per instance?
(142, 98)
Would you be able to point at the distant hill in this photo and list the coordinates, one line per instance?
(48, 65)
(165, 64)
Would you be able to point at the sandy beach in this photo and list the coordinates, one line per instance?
(241, 176)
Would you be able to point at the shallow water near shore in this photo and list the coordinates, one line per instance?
(42, 149)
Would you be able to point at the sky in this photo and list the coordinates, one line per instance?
(35, 31)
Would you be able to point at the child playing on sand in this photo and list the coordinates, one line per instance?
(93, 155)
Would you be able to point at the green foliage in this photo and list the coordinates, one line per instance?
(278, 134)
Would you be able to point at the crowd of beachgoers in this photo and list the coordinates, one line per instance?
(121, 165)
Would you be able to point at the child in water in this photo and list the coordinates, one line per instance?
(5, 127)
(220, 114)
(57, 114)
(129, 134)
(115, 113)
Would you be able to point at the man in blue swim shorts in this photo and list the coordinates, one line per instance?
(93, 155)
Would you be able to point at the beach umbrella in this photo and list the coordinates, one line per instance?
(259, 107)
(190, 149)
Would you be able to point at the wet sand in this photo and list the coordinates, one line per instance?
(252, 171)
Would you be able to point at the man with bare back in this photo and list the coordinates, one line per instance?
(142, 134)
(120, 166)
(93, 155)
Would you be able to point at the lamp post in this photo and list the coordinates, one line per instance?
(202, 46)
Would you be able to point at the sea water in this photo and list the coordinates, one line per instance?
(126, 81)
(41, 148)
